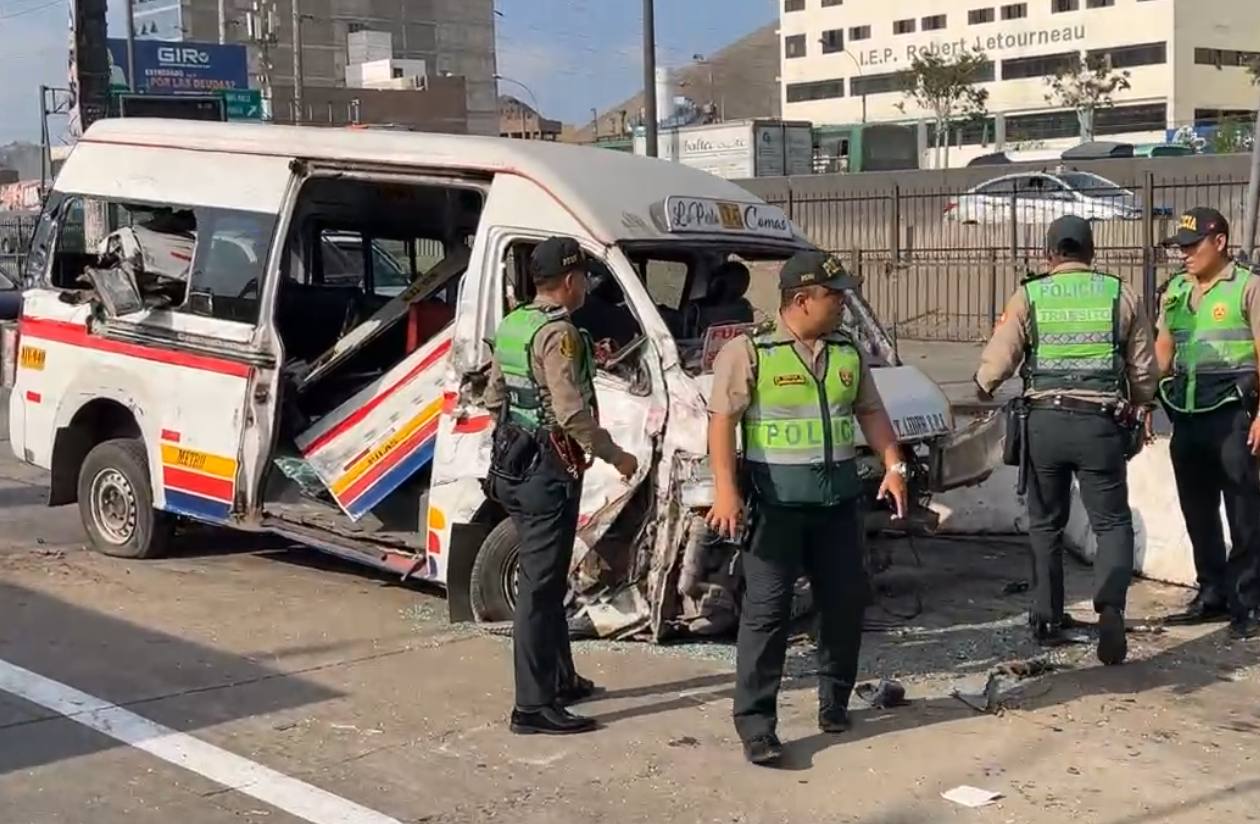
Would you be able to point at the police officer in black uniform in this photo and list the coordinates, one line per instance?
(1085, 346)
(1209, 325)
(541, 384)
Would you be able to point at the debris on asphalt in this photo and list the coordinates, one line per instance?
(1001, 683)
(884, 695)
(1015, 587)
(972, 797)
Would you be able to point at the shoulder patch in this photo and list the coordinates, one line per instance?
(568, 344)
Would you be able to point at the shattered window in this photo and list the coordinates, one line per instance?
(227, 271)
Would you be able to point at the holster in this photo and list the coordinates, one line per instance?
(1015, 446)
(514, 454)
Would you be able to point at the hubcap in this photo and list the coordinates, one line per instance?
(511, 574)
(113, 506)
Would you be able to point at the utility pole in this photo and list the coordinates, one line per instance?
(131, 44)
(298, 73)
(223, 22)
(261, 30)
(650, 116)
(1252, 214)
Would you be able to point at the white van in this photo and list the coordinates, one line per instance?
(215, 360)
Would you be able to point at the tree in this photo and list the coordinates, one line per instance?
(946, 86)
(1087, 84)
(1253, 68)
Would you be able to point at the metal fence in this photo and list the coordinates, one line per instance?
(15, 236)
(936, 272)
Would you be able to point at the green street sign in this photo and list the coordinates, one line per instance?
(243, 104)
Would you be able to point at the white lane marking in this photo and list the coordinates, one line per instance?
(220, 766)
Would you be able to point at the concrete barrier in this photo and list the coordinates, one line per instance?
(1163, 552)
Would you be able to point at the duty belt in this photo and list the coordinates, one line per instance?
(1104, 407)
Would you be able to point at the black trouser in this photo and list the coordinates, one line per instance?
(544, 508)
(1211, 460)
(826, 544)
(1091, 446)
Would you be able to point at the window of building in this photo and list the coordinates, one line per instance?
(1064, 123)
(876, 84)
(817, 90)
(859, 33)
(1225, 58)
(1099, 4)
(934, 23)
(1131, 57)
(978, 17)
(793, 5)
(1015, 11)
(1060, 6)
(977, 132)
(832, 41)
(826, 3)
(1211, 117)
(903, 27)
(1044, 65)
(794, 46)
(986, 72)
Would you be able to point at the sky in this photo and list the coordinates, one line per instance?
(573, 55)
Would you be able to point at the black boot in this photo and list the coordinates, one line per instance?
(1206, 607)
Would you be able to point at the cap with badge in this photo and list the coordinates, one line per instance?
(1196, 224)
(815, 269)
(1070, 235)
(556, 256)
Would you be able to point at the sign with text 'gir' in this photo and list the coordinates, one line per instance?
(164, 67)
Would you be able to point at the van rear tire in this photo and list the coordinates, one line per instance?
(494, 574)
(116, 502)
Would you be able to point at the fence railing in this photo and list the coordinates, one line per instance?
(940, 264)
(15, 235)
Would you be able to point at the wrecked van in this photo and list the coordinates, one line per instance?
(238, 350)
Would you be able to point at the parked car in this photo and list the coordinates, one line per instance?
(10, 299)
(1040, 197)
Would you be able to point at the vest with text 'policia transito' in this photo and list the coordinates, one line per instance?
(514, 346)
(1215, 351)
(1074, 333)
(799, 433)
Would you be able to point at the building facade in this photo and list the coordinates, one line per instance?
(1187, 62)
(452, 37)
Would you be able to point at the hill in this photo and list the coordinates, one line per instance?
(740, 80)
(22, 157)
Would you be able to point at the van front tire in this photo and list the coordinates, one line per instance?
(494, 574)
(116, 502)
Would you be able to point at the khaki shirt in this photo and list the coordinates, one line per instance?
(734, 375)
(1007, 348)
(1251, 298)
(555, 358)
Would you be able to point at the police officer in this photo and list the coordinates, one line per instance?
(1083, 343)
(796, 393)
(1209, 325)
(541, 384)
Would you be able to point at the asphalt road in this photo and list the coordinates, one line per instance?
(242, 684)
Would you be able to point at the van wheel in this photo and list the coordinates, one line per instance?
(494, 574)
(116, 502)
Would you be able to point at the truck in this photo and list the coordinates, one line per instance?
(213, 361)
(739, 149)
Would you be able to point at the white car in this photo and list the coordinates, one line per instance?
(1040, 197)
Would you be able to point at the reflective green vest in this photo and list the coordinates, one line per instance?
(1214, 345)
(513, 348)
(798, 433)
(1074, 333)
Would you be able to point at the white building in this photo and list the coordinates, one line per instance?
(1186, 61)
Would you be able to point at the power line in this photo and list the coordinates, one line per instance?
(30, 10)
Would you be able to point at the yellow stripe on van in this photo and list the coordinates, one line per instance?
(361, 466)
(203, 462)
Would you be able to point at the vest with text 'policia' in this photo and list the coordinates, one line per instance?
(1215, 350)
(1074, 333)
(799, 434)
(513, 347)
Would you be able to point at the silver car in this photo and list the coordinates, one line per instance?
(1040, 197)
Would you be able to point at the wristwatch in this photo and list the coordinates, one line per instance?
(900, 468)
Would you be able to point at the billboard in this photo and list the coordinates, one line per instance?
(164, 67)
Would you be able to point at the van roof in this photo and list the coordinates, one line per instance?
(611, 193)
